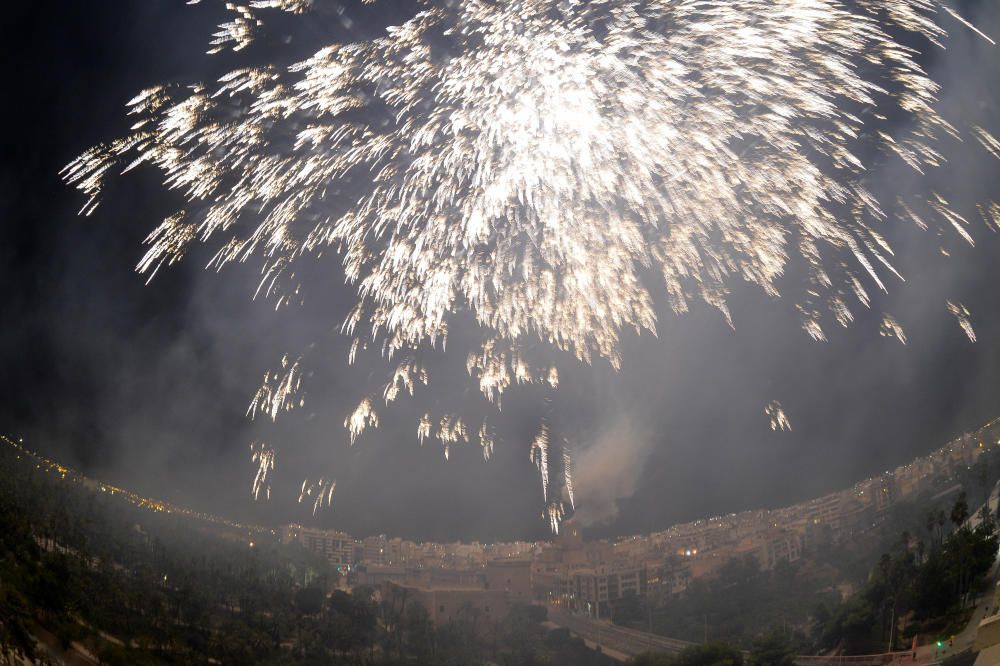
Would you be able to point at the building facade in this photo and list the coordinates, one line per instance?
(336, 547)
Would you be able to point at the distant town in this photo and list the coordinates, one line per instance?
(588, 577)
(592, 576)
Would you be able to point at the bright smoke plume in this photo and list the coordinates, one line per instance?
(552, 168)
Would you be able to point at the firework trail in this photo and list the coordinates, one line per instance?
(532, 162)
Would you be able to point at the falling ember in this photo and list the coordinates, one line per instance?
(424, 428)
(263, 456)
(568, 476)
(534, 178)
(404, 378)
(990, 214)
(320, 493)
(987, 140)
(451, 430)
(361, 418)
(486, 441)
(279, 391)
(554, 512)
(779, 421)
(540, 456)
(891, 329)
(962, 314)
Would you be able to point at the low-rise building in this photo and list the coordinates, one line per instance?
(596, 589)
(376, 550)
(452, 604)
(336, 547)
(779, 546)
(513, 576)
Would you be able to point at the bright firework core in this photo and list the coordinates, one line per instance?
(533, 163)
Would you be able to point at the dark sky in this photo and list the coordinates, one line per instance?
(146, 386)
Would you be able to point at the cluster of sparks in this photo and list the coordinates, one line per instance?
(319, 492)
(542, 165)
(890, 328)
(962, 314)
(776, 415)
(263, 456)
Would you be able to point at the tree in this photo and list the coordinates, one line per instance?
(980, 473)
(309, 600)
(418, 633)
(630, 610)
(706, 654)
(852, 625)
(521, 634)
(709, 654)
(960, 511)
(652, 659)
(772, 649)
(931, 524)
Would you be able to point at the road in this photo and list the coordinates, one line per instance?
(618, 642)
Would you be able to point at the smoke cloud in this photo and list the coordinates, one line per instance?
(607, 471)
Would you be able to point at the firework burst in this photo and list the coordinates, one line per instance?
(533, 162)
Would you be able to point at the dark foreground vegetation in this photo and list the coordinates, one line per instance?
(923, 589)
(917, 572)
(83, 572)
(769, 650)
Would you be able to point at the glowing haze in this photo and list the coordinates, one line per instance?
(553, 168)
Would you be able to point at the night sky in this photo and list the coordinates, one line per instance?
(146, 386)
